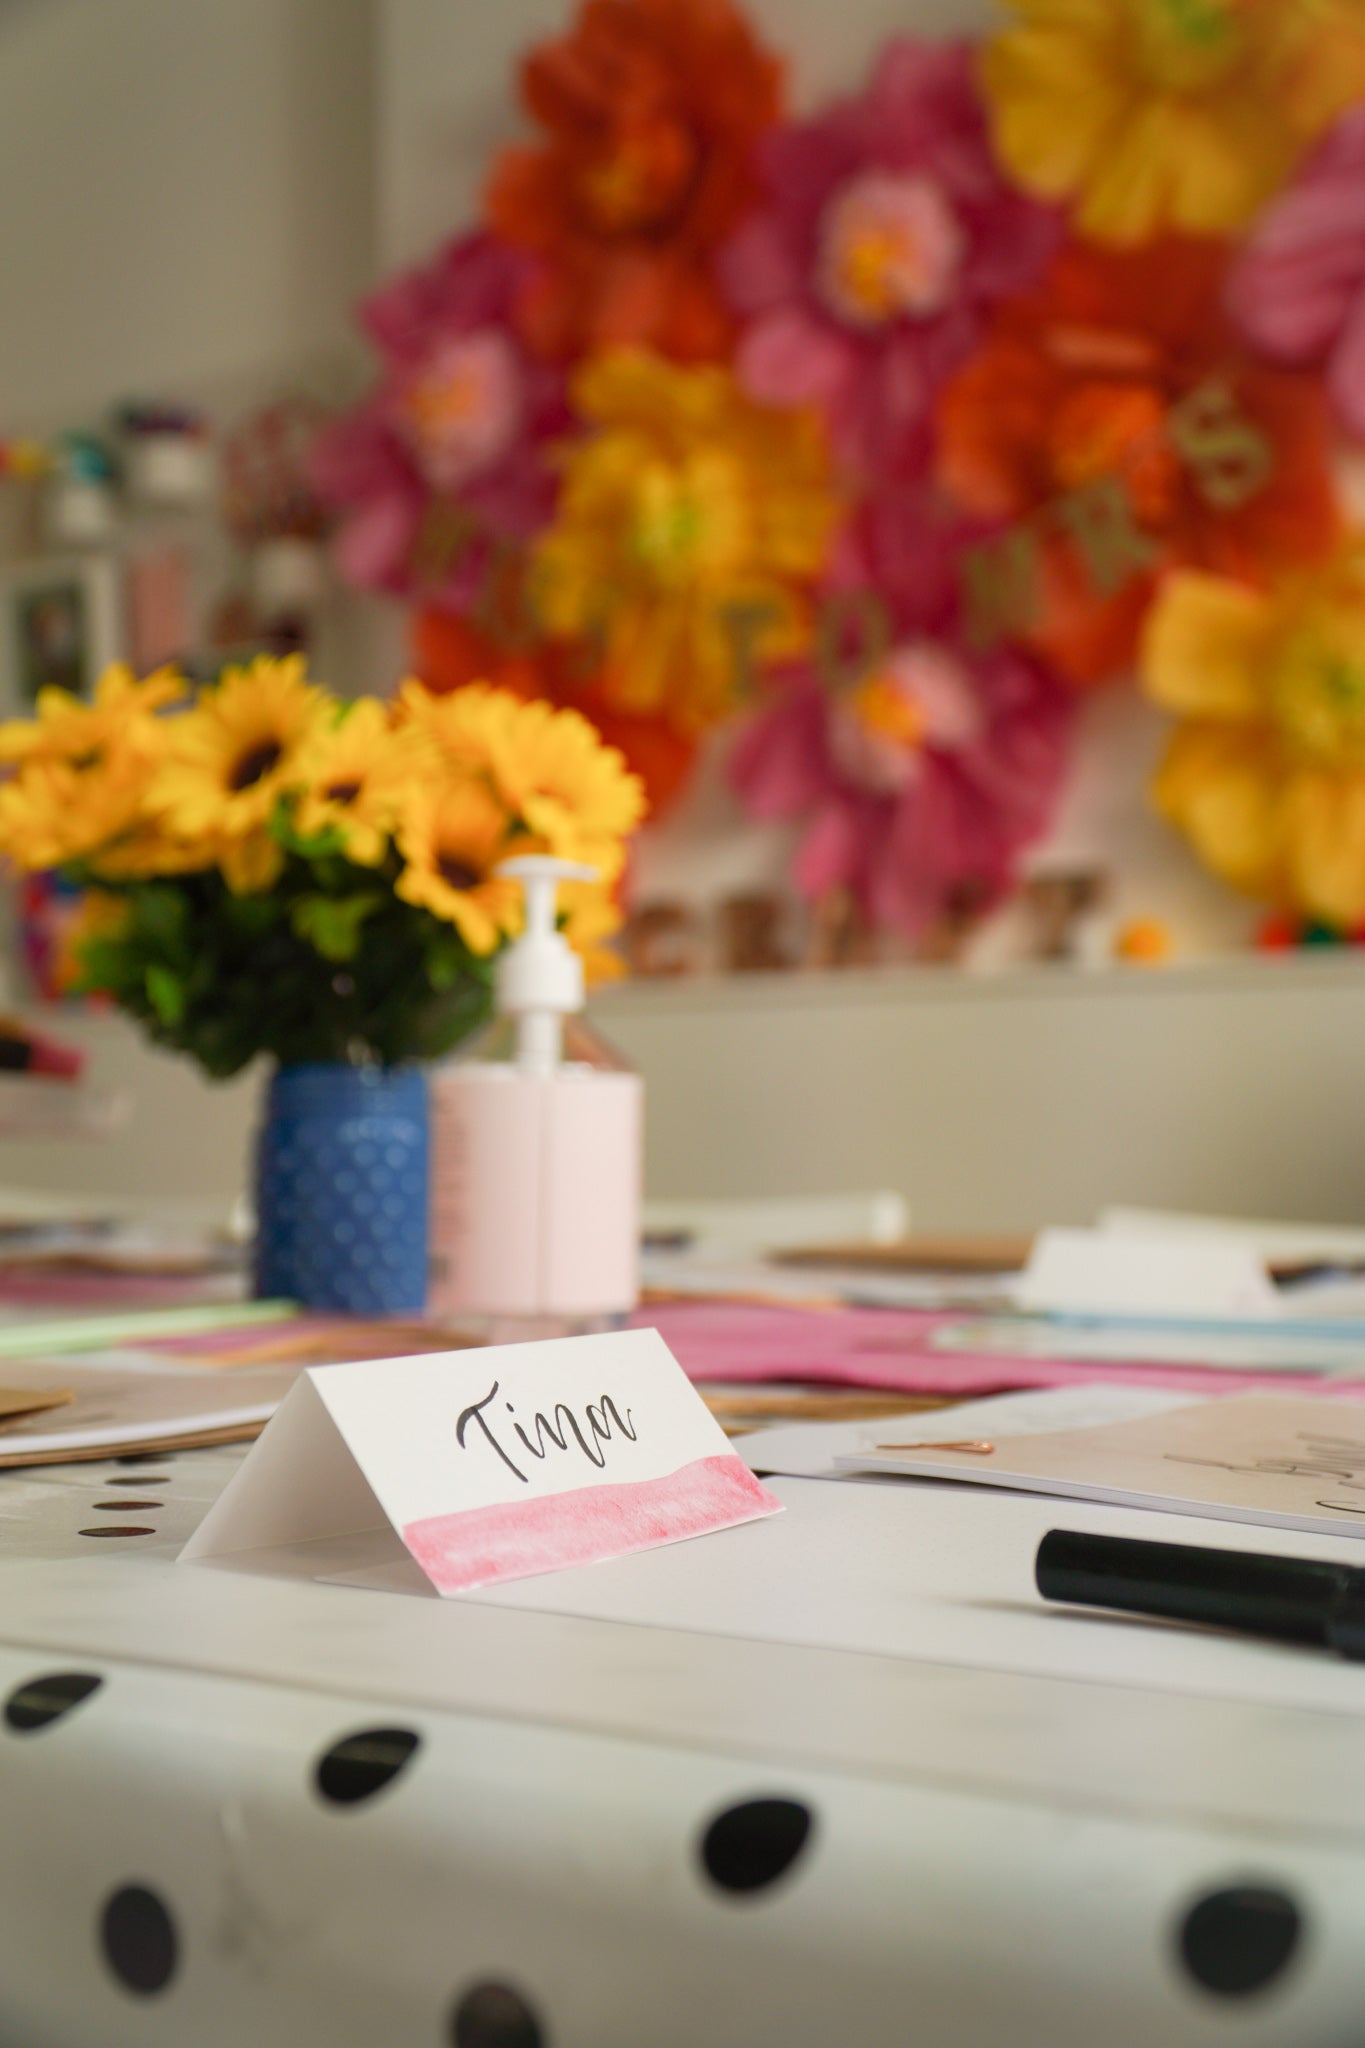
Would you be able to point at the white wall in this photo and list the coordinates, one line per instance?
(1007, 1102)
(186, 209)
(185, 194)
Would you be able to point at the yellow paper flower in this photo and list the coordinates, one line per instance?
(1168, 114)
(451, 838)
(358, 771)
(1265, 775)
(230, 759)
(689, 525)
(549, 767)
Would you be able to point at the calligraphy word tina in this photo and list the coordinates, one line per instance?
(561, 1430)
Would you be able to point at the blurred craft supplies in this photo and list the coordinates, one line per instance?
(128, 1401)
(829, 1449)
(1287, 1464)
(18, 1402)
(40, 1336)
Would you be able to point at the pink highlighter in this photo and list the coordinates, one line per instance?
(536, 1148)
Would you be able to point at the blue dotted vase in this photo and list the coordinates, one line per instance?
(341, 1190)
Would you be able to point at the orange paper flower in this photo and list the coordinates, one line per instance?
(651, 110)
(1114, 417)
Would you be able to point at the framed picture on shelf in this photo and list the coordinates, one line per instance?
(60, 624)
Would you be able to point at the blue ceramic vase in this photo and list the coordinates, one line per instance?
(341, 1190)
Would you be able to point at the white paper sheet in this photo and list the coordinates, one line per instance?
(808, 1449)
(1280, 1462)
(120, 1404)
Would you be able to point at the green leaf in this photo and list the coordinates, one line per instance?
(332, 924)
(166, 994)
(161, 916)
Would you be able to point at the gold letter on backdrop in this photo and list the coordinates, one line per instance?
(1113, 547)
(1000, 593)
(840, 662)
(1231, 458)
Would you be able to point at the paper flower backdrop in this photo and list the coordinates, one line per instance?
(446, 463)
(651, 109)
(1265, 774)
(1298, 290)
(690, 524)
(1158, 114)
(882, 428)
(1121, 384)
(886, 232)
(925, 769)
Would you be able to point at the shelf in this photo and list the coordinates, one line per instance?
(60, 1109)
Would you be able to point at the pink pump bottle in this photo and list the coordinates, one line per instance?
(536, 1148)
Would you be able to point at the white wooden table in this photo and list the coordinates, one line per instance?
(834, 1778)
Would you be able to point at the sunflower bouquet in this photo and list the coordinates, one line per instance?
(275, 870)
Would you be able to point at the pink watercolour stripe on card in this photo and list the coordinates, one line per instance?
(516, 1539)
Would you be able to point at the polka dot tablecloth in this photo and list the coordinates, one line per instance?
(239, 1807)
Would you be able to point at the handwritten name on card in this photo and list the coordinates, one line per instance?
(492, 1464)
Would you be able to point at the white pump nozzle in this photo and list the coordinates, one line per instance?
(539, 977)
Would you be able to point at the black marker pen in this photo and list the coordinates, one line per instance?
(1291, 1599)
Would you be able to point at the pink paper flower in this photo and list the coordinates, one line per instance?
(444, 463)
(887, 234)
(1298, 290)
(925, 768)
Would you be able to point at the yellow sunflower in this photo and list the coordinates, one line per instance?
(148, 851)
(570, 790)
(690, 524)
(451, 838)
(69, 730)
(462, 731)
(358, 771)
(1151, 115)
(82, 770)
(1265, 775)
(590, 915)
(53, 813)
(549, 767)
(229, 761)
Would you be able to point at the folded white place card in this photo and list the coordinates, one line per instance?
(490, 1464)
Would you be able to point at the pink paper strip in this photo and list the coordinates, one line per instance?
(481, 1546)
(890, 1350)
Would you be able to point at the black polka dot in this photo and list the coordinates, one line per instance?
(120, 1529)
(45, 1700)
(139, 1940)
(145, 1480)
(364, 1763)
(495, 2016)
(124, 1507)
(140, 1458)
(1238, 1941)
(752, 1845)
